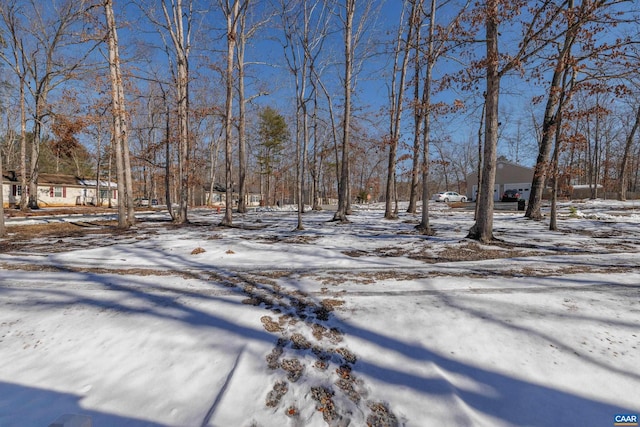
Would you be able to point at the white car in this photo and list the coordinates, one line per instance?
(449, 196)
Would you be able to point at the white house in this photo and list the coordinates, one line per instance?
(60, 190)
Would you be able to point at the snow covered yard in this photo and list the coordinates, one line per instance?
(360, 324)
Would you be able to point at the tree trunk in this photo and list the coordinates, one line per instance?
(231, 13)
(3, 231)
(175, 26)
(555, 168)
(316, 160)
(397, 98)
(35, 152)
(119, 116)
(23, 147)
(549, 124)
(302, 159)
(479, 175)
(418, 112)
(482, 230)
(242, 156)
(425, 109)
(167, 166)
(343, 191)
(624, 167)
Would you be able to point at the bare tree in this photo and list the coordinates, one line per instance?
(55, 55)
(352, 38)
(45, 53)
(10, 13)
(423, 108)
(126, 215)
(566, 88)
(343, 183)
(246, 31)
(535, 37)
(232, 11)
(177, 22)
(398, 78)
(417, 108)
(244, 34)
(3, 231)
(624, 166)
(304, 27)
(577, 18)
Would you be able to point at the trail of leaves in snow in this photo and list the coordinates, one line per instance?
(308, 353)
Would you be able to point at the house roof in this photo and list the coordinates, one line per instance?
(513, 164)
(56, 179)
(48, 178)
(506, 173)
(506, 165)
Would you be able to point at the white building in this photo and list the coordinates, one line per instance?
(509, 176)
(60, 190)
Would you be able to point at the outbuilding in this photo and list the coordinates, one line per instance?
(509, 176)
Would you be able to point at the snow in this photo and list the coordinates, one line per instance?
(140, 330)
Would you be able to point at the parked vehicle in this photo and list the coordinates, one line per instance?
(449, 196)
(510, 196)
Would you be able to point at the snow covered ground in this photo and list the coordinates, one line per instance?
(339, 324)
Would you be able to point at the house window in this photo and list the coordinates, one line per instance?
(57, 192)
(106, 194)
(17, 190)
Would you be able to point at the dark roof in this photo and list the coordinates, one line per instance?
(46, 179)
(49, 178)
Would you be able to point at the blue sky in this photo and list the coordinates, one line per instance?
(372, 89)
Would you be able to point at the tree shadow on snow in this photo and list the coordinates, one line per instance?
(504, 397)
(517, 402)
(23, 406)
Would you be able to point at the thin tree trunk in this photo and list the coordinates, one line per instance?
(242, 156)
(316, 161)
(180, 39)
(119, 117)
(479, 186)
(418, 112)
(3, 231)
(167, 165)
(424, 227)
(596, 155)
(128, 179)
(23, 147)
(35, 153)
(555, 168)
(343, 191)
(624, 167)
(549, 124)
(397, 99)
(302, 162)
(232, 16)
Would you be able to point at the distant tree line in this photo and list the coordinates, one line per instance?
(177, 99)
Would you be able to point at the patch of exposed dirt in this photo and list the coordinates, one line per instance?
(80, 210)
(61, 236)
(467, 251)
(355, 253)
(287, 239)
(473, 252)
